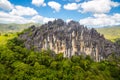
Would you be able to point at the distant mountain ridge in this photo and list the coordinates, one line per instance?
(13, 27)
(68, 38)
(110, 33)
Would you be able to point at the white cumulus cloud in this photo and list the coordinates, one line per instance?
(8, 18)
(23, 11)
(54, 5)
(71, 6)
(98, 6)
(101, 20)
(41, 19)
(6, 5)
(38, 3)
(68, 20)
(46, 19)
(37, 19)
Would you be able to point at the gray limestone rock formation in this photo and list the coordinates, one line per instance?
(68, 38)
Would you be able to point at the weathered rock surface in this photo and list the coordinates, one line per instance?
(68, 38)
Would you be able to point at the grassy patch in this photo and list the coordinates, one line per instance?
(5, 37)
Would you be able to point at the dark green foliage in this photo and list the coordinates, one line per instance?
(15, 43)
(6, 35)
(18, 63)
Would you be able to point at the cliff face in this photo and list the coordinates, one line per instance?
(68, 38)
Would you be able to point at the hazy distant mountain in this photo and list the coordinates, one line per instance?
(4, 28)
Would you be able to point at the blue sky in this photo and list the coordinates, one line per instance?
(87, 12)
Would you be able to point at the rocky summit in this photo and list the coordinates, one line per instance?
(68, 38)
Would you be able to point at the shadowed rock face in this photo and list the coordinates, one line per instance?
(68, 38)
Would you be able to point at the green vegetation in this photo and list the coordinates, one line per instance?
(18, 63)
(5, 37)
(110, 33)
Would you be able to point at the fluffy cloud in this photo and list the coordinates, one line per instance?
(5, 5)
(37, 19)
(23, 11)
(101, 20)
(20, 14)
(68, 20)
(98, 6)
(38, 3)
(55, 5)
(9, 18)
(41, 19)
(46, 19)
(72, 6)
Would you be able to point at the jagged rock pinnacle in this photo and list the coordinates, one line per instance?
(68, 38)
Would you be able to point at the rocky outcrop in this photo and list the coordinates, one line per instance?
(68, 38)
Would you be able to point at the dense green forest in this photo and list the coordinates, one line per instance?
(18, 63)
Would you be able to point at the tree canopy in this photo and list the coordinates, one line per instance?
(18, 63)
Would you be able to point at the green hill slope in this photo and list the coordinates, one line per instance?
(110, 33)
